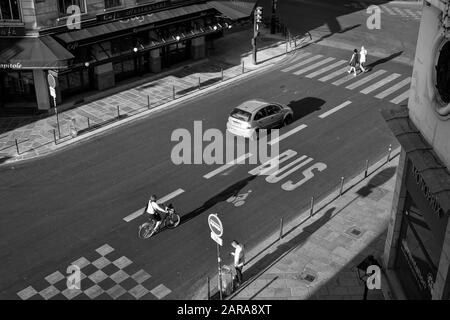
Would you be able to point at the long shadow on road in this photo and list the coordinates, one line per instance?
(220, 197)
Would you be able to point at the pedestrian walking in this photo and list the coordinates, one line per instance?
(353, 62)
(362, 59)
(239, 260)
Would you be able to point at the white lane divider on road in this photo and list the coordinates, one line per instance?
(139, 212)
(227, 165)
(301, 63)
(339, 107)
(287, 134)
(365, 79)
(380, 83)
(400, 98)
(394, 88)
(327, 68)
(313, 66)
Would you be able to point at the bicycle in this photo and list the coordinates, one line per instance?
(171, 220)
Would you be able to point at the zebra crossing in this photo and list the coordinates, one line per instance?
(385, 85)
(390, 10)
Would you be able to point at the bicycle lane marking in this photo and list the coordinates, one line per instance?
(139, 212)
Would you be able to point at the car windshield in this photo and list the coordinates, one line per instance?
(241, 114)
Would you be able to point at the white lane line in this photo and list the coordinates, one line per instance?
(313, 66)
(365, 79)
(380, 83)
(394, 88)
(300, 56)
(287, 134)
(295, 66)
(392, 13)
(412, 14)
(399, 11)
(400, 98)
(339, 107)
(325, 69)
(139, 212)
(227, 165)
(334, 74)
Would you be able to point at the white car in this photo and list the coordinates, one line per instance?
(250, 116)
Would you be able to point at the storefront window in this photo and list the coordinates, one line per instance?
(64, 4)
(418, 256)
(17, 87)
(112, 3)
(443, 73)
(124, 69)
(9, 10)
(73, 82)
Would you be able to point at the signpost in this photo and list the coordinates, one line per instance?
(52, 85)
(216, 232)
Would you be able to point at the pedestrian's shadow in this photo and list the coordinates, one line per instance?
(282, 249)
(383, 60)
(376, 181)
(232, 190)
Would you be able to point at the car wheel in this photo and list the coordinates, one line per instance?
(287, 120)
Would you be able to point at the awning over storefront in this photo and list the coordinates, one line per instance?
(234, 10)
(130, 23)
(33, 53)
(431, 169)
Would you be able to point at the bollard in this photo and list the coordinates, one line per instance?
(89, 123)
(173, 91)
(389, 153)
(286, 45)
(242, 66)
(342, 186)
(199, 87)
(209, 291)
(118, 112)
(311, 211)
(221, 73)
(281, 228)
(54, 135)
(148, 101)
(17, 147)
(367, 169)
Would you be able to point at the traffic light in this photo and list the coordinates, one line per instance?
(258, 14)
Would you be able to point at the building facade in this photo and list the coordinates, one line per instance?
(93, 45)
(417, 250)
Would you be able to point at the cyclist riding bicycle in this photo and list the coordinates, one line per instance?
(155, 210)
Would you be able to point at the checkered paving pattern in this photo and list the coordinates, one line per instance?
(105, 275)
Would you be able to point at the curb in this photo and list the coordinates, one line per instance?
(251, 71)
(303, 218)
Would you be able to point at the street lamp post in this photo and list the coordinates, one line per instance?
(272, 19)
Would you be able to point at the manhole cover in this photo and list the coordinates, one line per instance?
(354, 232)
(309, 278)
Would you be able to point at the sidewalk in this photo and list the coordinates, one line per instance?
(317, 255)
(36, 136)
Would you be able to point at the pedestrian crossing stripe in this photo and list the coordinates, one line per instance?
(400, 12)
(412, 14)
(313, 66)
(295, 66)
(388, 10)
(394, 88)
(400, 98)
(366, 79)
(380, 83)
(300, 56)
(325, 69)
(342, 80)
(334, 74)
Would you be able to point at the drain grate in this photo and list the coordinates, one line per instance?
(309, 278)
(354, 232)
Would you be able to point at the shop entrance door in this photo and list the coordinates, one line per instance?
(175, 53)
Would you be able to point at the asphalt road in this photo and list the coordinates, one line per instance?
(62, 207)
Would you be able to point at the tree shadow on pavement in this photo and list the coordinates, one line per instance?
(376, 181)
(270, 259)
(305, 106)
(220, 197)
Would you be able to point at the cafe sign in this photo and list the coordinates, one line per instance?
(136, 11)
(17, 65)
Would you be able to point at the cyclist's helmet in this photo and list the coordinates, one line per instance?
(152, 197)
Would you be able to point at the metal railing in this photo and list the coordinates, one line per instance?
(339, 191)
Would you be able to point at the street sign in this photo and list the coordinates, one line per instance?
(52, 92)
(215, 224)
(51, 81)
(216, 238)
